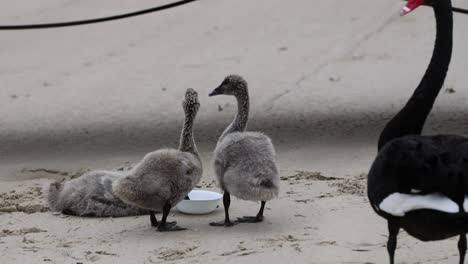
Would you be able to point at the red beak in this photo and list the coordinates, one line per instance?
(410, 6)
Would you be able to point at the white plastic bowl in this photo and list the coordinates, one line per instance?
(201, 202)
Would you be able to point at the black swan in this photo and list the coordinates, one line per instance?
(420, 183)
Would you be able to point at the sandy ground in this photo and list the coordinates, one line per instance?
(325, 76)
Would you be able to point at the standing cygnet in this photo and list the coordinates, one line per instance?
(90, 195)
(165, 177)
(244, 162)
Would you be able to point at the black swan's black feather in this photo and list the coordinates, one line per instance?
(432, 164)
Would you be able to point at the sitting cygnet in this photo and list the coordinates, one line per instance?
(90, 195)
(165, 177)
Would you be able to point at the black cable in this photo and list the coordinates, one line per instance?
(95, 20)
(460, 10)
(116, 17)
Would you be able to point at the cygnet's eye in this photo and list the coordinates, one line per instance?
(189, 171)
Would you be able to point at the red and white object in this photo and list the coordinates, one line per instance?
(410, 6)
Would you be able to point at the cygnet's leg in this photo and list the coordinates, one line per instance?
(67, 211)
(97, 206)
(226, 203)
(462, 248)
(254, 219)
(165, 226)
(102, 207)
(154, 221)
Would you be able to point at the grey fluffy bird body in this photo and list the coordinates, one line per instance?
(245, 166)
(163, 176)
(90, 195)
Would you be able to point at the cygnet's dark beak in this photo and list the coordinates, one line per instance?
(216, 91)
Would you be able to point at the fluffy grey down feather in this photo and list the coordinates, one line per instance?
(90, 195)
(245, 166)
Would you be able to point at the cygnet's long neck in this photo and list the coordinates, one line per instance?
(239, 124)
(187, 141)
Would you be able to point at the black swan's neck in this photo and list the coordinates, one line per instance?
(187, 141)
(239, 124)
(410, 120)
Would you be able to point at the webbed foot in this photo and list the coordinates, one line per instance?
(170, 227)
(250, 219)
(225, 223)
